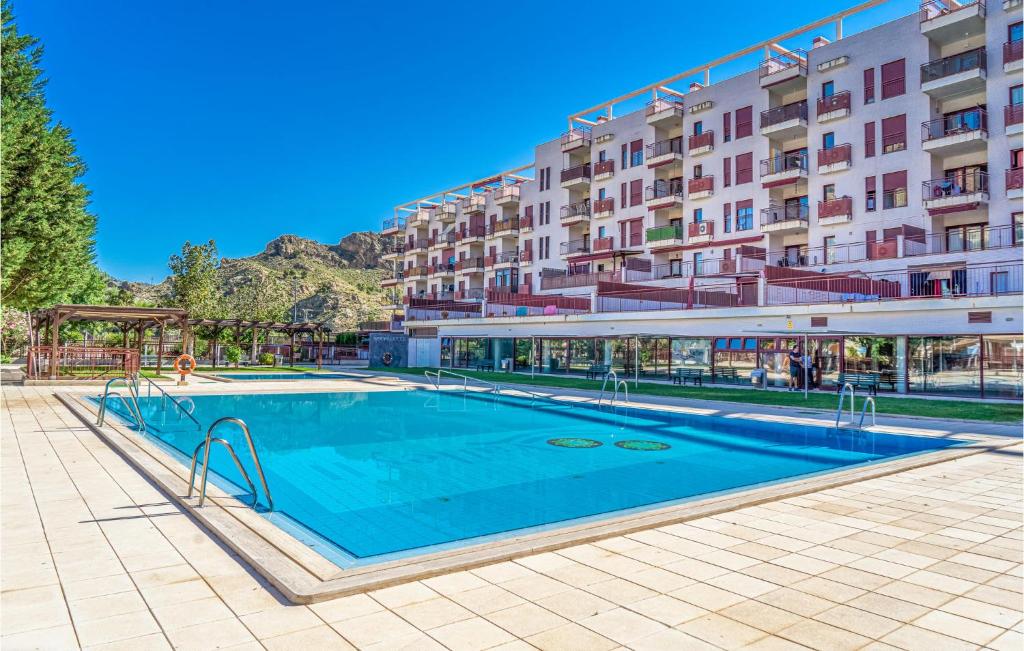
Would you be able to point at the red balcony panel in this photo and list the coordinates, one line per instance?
(1013, 114)
(604, 167)
(604, 205)
(526, 222)
(706, 139)
(526, 255)
(703, 184)
(1013, 51)
(838, 154)
(836, 102)
(1015, 178)
(489, 261)
(603, 244)
(698, 229)
(837, 207)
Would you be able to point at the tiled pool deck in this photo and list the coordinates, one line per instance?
(94, 556)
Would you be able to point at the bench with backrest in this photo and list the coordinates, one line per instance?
(894, 379)
(695, 375)
(487, 365)
(726, 375)
(598, 371)
(867, 381)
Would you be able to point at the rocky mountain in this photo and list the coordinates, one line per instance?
(339, 283)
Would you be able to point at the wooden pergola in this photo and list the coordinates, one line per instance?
(46, 327)
(316, 330)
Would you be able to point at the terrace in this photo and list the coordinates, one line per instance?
(962, 133)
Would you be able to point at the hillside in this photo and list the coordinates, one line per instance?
(339, 283)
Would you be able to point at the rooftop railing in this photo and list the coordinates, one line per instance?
(796, 59)
(659, 104)
(576, 137)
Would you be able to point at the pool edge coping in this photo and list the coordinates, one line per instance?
(304, 576)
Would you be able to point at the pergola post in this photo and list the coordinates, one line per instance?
(160, 349)
(255, 346)
(320, 349)
(141, 329)
(54, 344)
(291, 350)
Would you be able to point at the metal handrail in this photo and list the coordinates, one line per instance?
(127, 407)
(205, 446)
(166, 396)
(869, 400)
(615, 385)
(842, 393)
(495, 388)
(132, 390)
(625, 389)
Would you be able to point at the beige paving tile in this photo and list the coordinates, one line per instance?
(880, 604)
(432, 613)
(526, 619)
(319, 637)
(117, 627)
(858, 621)
(959, 627)
(403, 595)
(819, 635)
(622, 626)
(211, 635)
(721, 632)
(487, 599)
(670, 640)
(620, 591)
(911, 637)
(667, 610)
(576, 604)
(343, 608)
(570, 637)
(57, 637)
(761, 616)
(471, 635)
(190, 613)
(375, 628)
(801, 603)
(151, 642)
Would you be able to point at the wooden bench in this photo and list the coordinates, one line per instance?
(598, 371)
(726, 375)
(867, 381)
(485, 366)
(695, 375)
(894, 379)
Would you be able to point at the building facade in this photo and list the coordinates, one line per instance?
(865, 192)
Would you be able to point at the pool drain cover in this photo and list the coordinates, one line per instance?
(574, 443)
(644, 446)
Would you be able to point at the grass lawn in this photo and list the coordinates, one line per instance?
(952, 409)
(168, 370)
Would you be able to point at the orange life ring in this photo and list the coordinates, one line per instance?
(184, 357)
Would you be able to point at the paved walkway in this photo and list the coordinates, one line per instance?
(96, 557)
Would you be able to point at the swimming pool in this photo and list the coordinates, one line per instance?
(283, 376)
(382, 474)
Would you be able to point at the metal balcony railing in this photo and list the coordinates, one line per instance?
(778, 214)
(475, 203)
(604, 167)
(576, 137)
(574, 246)
(1015, 178)
(509, 225)
(659, 104)
(784, 163)
(934, 8)
(700, 229)
(838, 207)
(510, 192)
(576, 172)
(955, 185)
(394, 222)
(780, 114)
(703, 184)
(951, 65)
(578, 209)
(604, 205)
(1013, 51)
(838, 154)
(467, 232)
(1013, 114)
(470, 264)
(663, 189)
(699, 140)
(837, 102)
(955, 125)
(663, 147)
(796, 59)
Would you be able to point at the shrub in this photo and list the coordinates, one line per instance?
(233, 354)
(267, 359)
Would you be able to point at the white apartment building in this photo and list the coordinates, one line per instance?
(865, 192)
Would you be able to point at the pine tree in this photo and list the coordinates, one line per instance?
(47, 232)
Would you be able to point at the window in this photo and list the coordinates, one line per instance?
(744, 122)
(894, 79)
(625, 155)
(623, 196)
(1017, 95)
(636, 153)
(869, 85)
(1018, 228)
(1000, 282)
(1015, 32)
(828, 140)
(636, 192)
(726, 127)
(726, 172)
(828, 193)
(727, 218)
(830, 249)
(894, 134)
(602, 156)
(828, 89)
(698, 215)
(1016, 158)
(547, 178)
(869, 139)
(744, 168)
(698, 264)
(541, 179)
(547, 209)
(698, 128)
(744, 215)
(600, 231)
(698, 171)
(894, 190)
(601, 194)
(869, 194)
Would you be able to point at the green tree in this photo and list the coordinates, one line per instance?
(194, 280)
(47, 232)
(260, 299)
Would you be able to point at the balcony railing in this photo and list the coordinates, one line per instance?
(700, 140)
(659, 104)
(951, 65)
(576, 137)
(664, 233)
(446, 238)
(838, 207)
(472, 204)
(417, 272)
(442, 268)
(601, 244)
(604, 205)
(511, 257)
(526, 255)
(576, 172)
(836, 102)
(578, 209)
(700, 229)
(1013, 51)
(1013, 114)
(784, 163)
(955, 125)
(796, 59)
(663, 147)
(935, 8)
(839, 154)
(507, 192)
(569, 281)
(604, 167)
(1015, 178)
(780, 114)
(467, 232)
(417, 244)
(509, 225)
(573, 247)
(780, 214)
(526, 222)
(394, 222)
(470, 264)
(470, 294)
(703, 184)
(955, 186)
(663, 189)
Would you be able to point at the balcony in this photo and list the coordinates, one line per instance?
(835, 211)
(603, 244)
(443, 241)
(578, 175)
(952, 135)
(662, 111)
(446, 212)
(507, 195)
(470, 265)
(418, 219)
(665, 236)
(604, 169)
(442, 269)
(955, 194)
(397, 251)
(664, 194)
(700, 188)
(948, 21)
(604, 208)
(701, 143)
(785, 122)
(835, 159)
(784, 71)
(526, 223)
(783, 169)
(473, 204)
(418, 272)
(417, 245)
(506, 260)
(700, 232)
(470, 234)
(525, 257)
(575, 213)
(393, 225)
(576, 138)
(1013, 52)
(574, 247)
(471, 294)
(504, 228)
(957, 75)
(834, 107)
(665, 152)
(395, 279)
(784, 219)
(1013, 118)
(1014, 182)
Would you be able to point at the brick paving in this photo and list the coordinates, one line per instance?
(95, 557)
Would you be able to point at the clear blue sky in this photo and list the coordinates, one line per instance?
(240, 121)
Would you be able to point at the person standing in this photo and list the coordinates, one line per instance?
(794, 369)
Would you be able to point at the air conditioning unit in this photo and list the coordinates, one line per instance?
(703, 228)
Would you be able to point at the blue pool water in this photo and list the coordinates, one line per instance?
(380, 473)
(283, 376)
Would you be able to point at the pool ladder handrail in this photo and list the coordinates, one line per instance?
(495, 388)
(205, 447)
(132, 407)
(839, 409)
(616, 383)
(164, 397)
(863, 412)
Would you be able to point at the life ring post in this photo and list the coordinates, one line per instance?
(184, 364)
